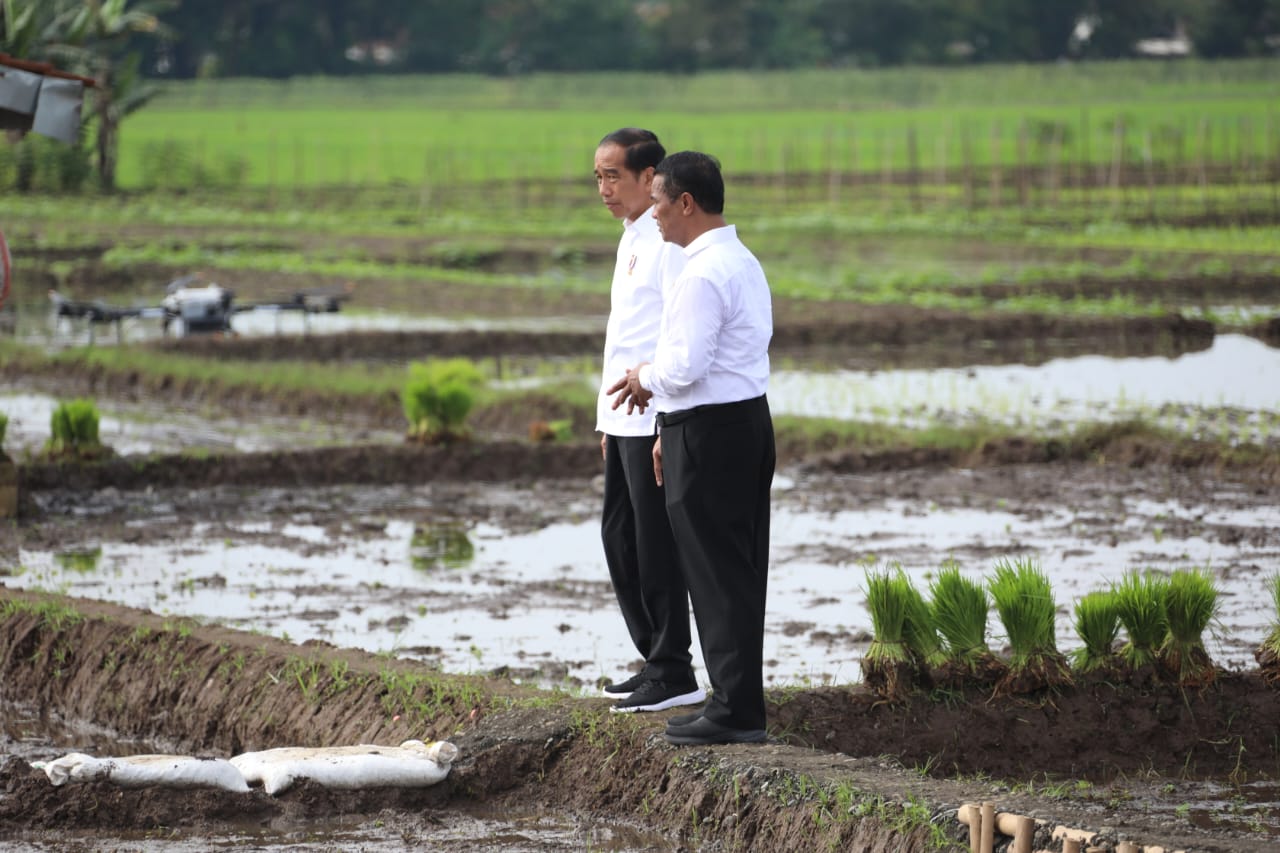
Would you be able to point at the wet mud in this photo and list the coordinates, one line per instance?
(1142, 761)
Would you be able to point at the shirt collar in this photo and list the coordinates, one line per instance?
(642, 224)
(723, 234)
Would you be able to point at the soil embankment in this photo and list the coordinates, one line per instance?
(214, 691)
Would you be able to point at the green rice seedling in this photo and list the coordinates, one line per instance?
(1097, 623)
(1024, 601)
(1140, 604)
(1268, 654)
(920, 633)
(887, 667)
(74, 428)
(1190, 604)
(4, 427)
(959, 605)
(439, 396)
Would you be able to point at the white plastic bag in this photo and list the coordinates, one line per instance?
(141, 771)
(412, 764)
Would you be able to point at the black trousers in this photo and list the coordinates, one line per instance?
(641, 553)
(717, 469)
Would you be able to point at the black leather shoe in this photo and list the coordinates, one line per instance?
(682, 720)
(702, 732)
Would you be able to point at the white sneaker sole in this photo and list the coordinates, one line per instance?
(692, 698)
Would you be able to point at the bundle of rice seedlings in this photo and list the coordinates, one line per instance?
(1140, 604)
(1268, 654)
(921, 636)
(888, 667)
(959, 607)
(1190, 604)
(1097, 623)
(73, 429)
(1024, 600)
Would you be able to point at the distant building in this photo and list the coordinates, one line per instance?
(376, 52)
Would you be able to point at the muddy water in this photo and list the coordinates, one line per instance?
(512, 578)
(130, 428)
(39, 327)
(1237, 373)
(1230, 390)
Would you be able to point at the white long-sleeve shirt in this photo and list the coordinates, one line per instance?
(717, 320)
(646, 267)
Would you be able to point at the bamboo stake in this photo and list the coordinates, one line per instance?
(1202, 146)
(833, 172)
(1055, 154)
(1070, 845)
(1148, 162)
(988, 827)
(975, 826)
(966, 156)
(913, 168)
(1023, 834)
(1127, 847)
(1023, 168)
(995, 166)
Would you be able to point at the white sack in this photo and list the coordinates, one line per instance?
(412, 764)
(141, 771)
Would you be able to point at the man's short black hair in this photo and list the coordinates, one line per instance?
(694, 173)
(642, 147)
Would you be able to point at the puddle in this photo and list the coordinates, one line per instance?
(1237, 372)
(1230, 391)
(379, 570)
(42, 328)
(139, 428)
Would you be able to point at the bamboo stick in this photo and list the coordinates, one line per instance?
(988, 827)
(1023, 834)
(1070, 845)
(1080, 836)
(913, 168)
(1127, 847)
(974, 819)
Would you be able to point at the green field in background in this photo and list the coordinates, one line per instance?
(442, 130)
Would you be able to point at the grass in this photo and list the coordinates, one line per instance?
(418, 129)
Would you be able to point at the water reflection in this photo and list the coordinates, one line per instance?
(1237, 372)
(80, 561)
(440, 545)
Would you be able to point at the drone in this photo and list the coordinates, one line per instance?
(193, 306)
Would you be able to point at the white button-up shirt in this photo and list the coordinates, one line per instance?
(646, 267)
(717, 321)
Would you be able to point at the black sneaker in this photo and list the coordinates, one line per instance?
(658, 696)
(624, 688)
(704, 732)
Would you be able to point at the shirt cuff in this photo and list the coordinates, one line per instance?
(645, 376)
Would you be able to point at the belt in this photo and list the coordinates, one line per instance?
(718, 412)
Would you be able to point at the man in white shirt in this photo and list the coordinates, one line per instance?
(715, 453)
(638, 543)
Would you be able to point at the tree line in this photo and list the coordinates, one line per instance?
(281, 38)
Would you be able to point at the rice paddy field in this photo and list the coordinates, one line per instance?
(1021, 313)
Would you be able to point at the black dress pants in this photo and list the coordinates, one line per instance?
(641, 554)
(717, 469)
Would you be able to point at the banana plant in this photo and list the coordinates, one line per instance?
(93, 37)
